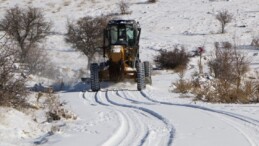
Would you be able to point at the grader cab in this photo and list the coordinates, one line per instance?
(121, 52)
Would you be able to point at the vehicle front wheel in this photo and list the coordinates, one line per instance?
(95, 80)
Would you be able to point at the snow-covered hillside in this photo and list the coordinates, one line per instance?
(119, 115)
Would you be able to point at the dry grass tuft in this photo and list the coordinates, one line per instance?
(183, 86)
(67, 3)
(55, 109)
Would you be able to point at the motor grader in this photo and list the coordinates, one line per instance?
(121, 55)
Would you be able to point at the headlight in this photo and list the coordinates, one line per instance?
(116, 49)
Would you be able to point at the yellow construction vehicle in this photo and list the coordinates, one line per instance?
(121, 55)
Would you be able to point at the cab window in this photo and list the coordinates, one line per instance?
(114, 34)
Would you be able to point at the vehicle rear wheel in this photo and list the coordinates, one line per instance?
(95, 81)
(140, 76)
(148, 72)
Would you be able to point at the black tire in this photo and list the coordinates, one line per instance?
(147, 68)
(148, 80)
(95, 81)
(140, 76)
(148, 72)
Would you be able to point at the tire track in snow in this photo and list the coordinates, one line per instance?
(126, 129)
(143, 127)
(144, 139)
(86, 99)
(124, 96)
(168, 125)
(97, 94)
(120, 133)
(249, 120)
(222, 115)
(237, 126)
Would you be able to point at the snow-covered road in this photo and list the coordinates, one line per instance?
(119, 117)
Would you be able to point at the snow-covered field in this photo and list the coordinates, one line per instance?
(119, 115)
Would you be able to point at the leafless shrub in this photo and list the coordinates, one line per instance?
(124, 7)
(178, 58)
(228, 64)
(229, 67)
(56, 111)
(204, 93)
(86, 35)
(252, 87)
(249, 92)
(255, 42)
(220, 91)
(225, 92)
(224, 17)
(12, 85)
(152, 1)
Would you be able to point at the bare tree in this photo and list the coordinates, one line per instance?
(124, 7)
(12, 85)
(26, 27)
(86, 35)
(224, 17)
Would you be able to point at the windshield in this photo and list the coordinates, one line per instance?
(122, 34)
(114, 34)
